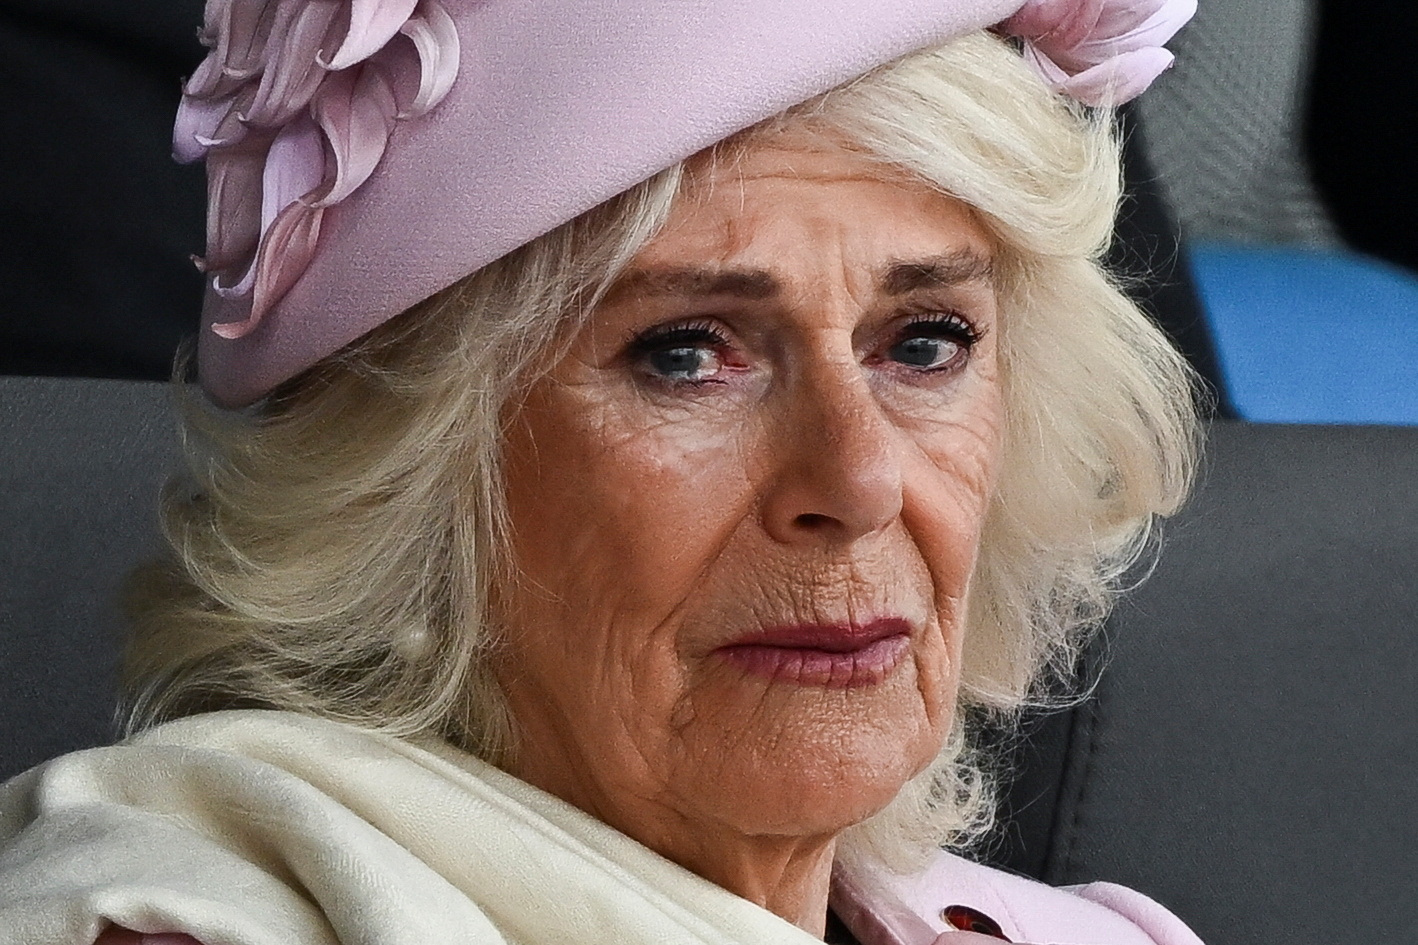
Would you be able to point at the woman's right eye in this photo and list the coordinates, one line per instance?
(681, 355)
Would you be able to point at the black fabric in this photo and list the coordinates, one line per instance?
(80, 472)
(1362, 124)
(1251, 756)
(96, 221)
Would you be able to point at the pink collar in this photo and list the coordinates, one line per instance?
(870, 908)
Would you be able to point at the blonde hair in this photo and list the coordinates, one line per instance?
(335, 545)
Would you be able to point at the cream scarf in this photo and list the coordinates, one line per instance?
(268, 828)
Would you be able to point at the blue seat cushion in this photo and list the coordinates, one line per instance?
(1307, 336)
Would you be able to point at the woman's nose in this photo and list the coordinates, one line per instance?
(836, 460)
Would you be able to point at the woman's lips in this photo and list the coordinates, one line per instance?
(837, 656)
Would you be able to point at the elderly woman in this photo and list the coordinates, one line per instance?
(664, 427)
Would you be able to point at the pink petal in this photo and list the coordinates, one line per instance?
(235, 290)
(213, 22)
(295, 167)
(435, 37)
(241, 41)
(234, 330)
(233, 205)
(285, 254)
(292, 168)
(1154, 29)
(231, 129)
(1120, 79)
(217, 75)
(204, 79)
(1056, 24)
(1099, 51)
(216, 29)
(356, 110)
(292, 73)
(236, 32)
(1053, 74)
(372, 24)
(196, 126)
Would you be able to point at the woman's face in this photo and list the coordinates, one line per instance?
(746, 507)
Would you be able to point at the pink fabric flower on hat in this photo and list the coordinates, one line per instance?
(1101, 52)
(293, 108)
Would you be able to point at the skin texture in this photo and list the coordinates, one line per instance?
(808, 468)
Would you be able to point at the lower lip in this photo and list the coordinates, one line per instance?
(805, 666)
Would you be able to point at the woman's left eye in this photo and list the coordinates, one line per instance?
(682, 363)
(688, 354)
(933, 344)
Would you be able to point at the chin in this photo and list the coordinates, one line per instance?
(824, 803)
(824, 763)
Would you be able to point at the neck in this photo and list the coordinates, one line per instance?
(787, 876)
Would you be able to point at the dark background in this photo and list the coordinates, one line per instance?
(96, 221)
(1362, 130)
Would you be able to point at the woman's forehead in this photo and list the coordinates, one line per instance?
(782, 201)
(793, 150)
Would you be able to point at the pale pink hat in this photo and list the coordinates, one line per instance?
(364, 154)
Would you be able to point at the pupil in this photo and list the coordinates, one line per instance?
(918, 352)
(677, 361)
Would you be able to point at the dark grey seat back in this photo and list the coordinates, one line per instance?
(1251, 757)
(81, 465)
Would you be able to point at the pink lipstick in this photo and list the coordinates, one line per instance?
(836, 656)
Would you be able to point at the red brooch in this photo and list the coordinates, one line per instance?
(967, 919)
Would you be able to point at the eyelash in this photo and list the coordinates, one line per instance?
(947, 325)
(665, 336)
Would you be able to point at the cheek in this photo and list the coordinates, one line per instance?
(954, 466)
(948, 488)
(613, 528)
(948, 494)
(615, 517)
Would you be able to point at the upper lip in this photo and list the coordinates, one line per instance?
(829, 638)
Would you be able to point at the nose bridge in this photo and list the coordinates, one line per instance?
(843, 473)
(835, 397)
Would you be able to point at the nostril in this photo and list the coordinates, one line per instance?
(812, 521)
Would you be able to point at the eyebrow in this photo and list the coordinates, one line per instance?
(752, 284)
(937, 272)
(898, 278)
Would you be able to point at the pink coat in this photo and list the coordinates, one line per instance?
(931, 907)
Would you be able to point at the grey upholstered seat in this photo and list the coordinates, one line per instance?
(81, 464)
(1251, 757)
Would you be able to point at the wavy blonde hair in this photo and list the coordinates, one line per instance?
(335, 545)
